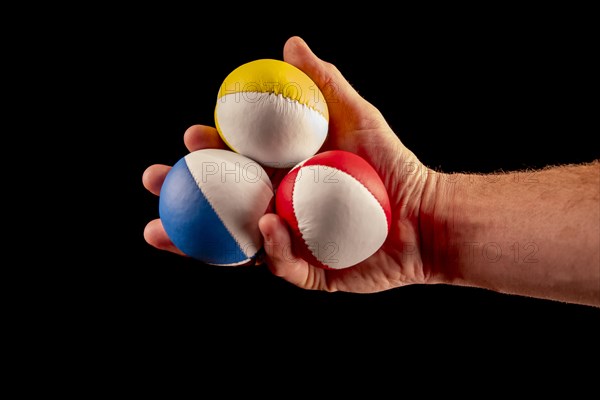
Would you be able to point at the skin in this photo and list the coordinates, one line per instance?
(532, 234)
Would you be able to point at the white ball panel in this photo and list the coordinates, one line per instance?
(227, 180)
(270, 128)
(340, 220)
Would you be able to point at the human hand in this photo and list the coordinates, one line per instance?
(357, 126)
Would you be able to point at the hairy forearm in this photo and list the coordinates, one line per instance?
(533, 233)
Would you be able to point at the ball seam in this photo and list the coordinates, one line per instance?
(296, 216)
(209, 201)
(370, 192)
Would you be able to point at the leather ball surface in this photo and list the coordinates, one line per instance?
(210, 204)
(337, 209)
(272, 112)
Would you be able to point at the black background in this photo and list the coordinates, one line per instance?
(496, 92)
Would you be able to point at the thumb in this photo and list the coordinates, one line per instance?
(280, 258)
(348, 110)
(335, 88)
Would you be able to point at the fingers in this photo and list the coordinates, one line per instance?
(280, 259)
(199, 137)
(155, 235)
(328, 78)
(196, 137)
(154, 176)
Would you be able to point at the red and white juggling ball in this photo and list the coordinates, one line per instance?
(337, 209)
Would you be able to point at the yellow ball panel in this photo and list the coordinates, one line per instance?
(277, 77)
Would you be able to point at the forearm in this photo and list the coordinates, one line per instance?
(529, 233)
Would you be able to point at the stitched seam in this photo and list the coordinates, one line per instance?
(282, 99)
(368, 190)
(296, 216)
(371, 193)
(208, 200)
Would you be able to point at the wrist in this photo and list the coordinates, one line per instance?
(436, 220)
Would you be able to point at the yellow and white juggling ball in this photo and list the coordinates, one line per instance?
(272, 112)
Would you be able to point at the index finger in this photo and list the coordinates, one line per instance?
(199, 137)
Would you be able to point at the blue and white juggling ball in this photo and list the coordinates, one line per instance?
(210, 204)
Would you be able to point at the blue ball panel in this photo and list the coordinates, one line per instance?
(191, 223)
